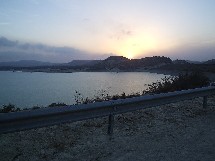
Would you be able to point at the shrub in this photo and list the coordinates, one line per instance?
(175, 83)
(57, 104)
(9, 108)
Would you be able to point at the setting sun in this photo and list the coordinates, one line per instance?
(129, 56)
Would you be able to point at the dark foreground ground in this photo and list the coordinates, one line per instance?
(174, 132)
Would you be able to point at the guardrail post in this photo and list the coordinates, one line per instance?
(111, 121)
(205, 98)
(110, 124)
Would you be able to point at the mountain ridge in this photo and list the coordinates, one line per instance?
(26, 63)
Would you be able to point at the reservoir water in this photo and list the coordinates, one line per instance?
(25, 89)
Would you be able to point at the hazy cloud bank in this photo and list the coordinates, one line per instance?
(192, 52)
(14, 51)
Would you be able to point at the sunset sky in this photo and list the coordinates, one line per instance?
(183, 29)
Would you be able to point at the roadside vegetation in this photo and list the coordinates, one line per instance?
(177, 83)
(167, 84)
(13, 108)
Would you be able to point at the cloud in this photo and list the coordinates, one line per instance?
(4, 42)
(14, 51)
(197, 52)
(34, 2)
(4, 14)
(4, 23)
(120, 31)
(121, 34)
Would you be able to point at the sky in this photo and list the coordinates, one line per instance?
(179, 29)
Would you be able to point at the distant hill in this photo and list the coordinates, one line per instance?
(156, 61)
(112, 64)
(116, 59)
(122, 63)
(193, 62)
(180, 62)
(83, 62)
(25, 63)
(212, 61)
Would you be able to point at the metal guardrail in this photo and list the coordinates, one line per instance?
(24, 120)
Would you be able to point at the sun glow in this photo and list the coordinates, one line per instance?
(129, 56)
(129, 49)
(141, 44)
(128, 52)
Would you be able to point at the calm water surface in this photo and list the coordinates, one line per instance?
(29, 89)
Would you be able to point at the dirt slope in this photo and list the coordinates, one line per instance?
(179, 132)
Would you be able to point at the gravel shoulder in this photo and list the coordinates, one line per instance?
(179, 131)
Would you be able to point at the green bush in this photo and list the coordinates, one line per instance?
(103, 97)
(13, 108)
(9, 108)
(57, 104)
(176, 83)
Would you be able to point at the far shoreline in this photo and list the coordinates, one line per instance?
(210, 75)
(156, 71)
